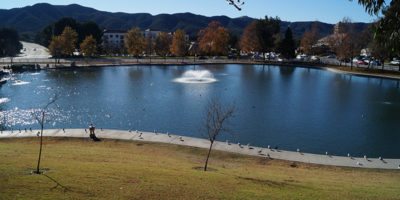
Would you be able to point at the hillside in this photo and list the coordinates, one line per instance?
(32, 19)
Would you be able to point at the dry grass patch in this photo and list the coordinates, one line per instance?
(113, 169)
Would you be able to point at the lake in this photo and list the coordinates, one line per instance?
(310, 109)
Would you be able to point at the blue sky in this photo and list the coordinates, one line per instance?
(330, 11)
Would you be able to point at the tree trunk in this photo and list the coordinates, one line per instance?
(383, 65)
(208, 156)
(351, 64)
(41, 142)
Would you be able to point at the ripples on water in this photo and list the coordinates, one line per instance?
(18, 117)
(17, 82)
(314, 110)
(4, 100)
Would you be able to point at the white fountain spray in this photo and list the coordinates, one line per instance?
(196, 76)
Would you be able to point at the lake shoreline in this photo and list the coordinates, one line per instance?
(156, 62)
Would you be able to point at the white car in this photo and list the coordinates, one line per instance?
(314, 58)
(302, 57)
(395, 62)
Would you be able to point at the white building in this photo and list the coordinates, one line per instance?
(115, 38)
(151, 32)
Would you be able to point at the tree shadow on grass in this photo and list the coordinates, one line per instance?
(277, 184)
(58, 184)
(202, 169)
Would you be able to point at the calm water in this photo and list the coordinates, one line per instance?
(310, 109)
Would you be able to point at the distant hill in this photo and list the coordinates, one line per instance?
(32, 19)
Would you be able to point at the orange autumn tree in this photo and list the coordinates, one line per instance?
(179, 44)
(249, 40)
(213, 40)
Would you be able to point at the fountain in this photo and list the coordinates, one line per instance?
(196, 76)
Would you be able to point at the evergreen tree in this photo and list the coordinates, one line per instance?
(387, 29)
(287, 46)
(83, 29)
(266, 31)
(9, 42)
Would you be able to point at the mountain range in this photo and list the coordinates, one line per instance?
(32, 19)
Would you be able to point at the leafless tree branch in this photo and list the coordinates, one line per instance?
(214, 122)
(40, 118)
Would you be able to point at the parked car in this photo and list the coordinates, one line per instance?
(346, 60)
(302, 57)
(332, 56)
(361, 62)
(376, 63)
(315, 58)
(201, 58)
(395, 62)
(257, 57)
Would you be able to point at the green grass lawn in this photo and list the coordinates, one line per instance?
(114, 169)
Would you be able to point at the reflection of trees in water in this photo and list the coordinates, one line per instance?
(286, 70)
(251, 71)
(179, 70)
(214, 68)
(70, 75)
(136, 74)
(164, 68)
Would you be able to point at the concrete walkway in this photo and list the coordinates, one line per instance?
(361, 74)
(223, 146)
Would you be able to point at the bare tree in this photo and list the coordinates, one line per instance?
(215, 119)
(310, 38)
(40, 118)
(236, 5)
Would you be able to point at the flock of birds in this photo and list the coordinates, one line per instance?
(237, 4)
